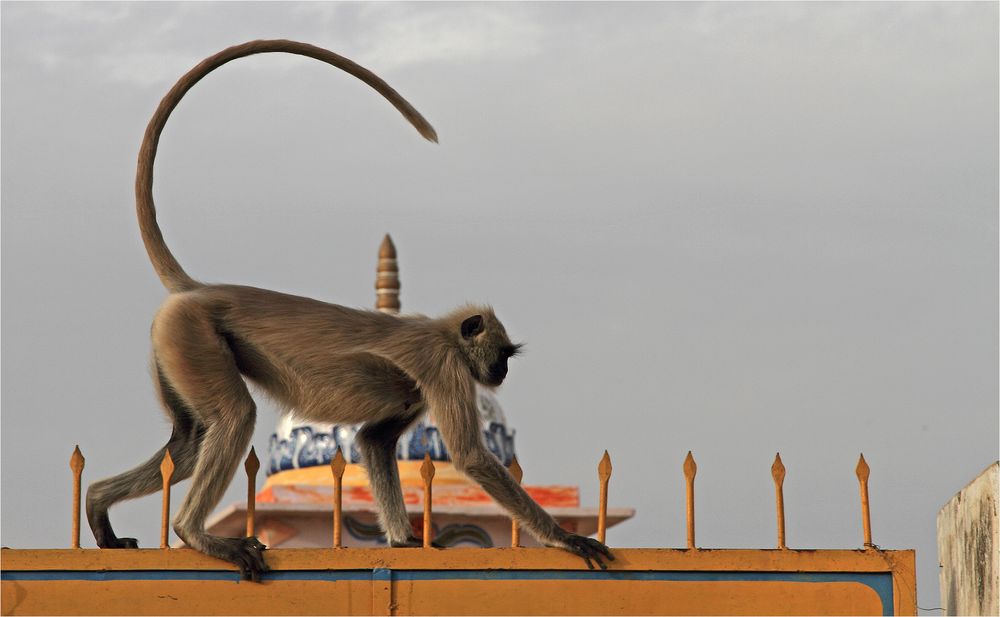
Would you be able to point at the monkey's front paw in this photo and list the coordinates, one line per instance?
(588, 548)
(248, 555)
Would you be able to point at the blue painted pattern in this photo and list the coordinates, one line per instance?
(308, 446)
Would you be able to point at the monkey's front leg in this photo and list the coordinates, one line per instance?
(484, 468)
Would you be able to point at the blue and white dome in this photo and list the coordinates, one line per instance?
(296, 444)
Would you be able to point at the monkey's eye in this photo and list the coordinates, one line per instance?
(512, 350)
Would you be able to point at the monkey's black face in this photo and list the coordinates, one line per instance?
(496, 373)
(487, 349)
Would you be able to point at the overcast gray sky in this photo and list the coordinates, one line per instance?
(730, 228)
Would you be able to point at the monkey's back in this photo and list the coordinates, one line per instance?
(311, 355)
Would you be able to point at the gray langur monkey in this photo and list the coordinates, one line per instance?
(331, 363)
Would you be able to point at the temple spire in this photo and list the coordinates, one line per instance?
(387, 278)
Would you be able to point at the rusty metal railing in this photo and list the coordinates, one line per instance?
(690, 469)
(338, 465)
(427, 473)
(778, 473)
(515, 527)
(76, 462)
(167, 471)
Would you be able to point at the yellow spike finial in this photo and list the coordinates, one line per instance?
(76, 461)
(690, 468)
(338, 464)
(778, 469)
(427, 473)
(515, 528)
(862, 470)
(604, 467)
(778, 473)
(604, 474)
(252, 464)
(167, 471)
(515, 469)
(427, 468)
(167, 466)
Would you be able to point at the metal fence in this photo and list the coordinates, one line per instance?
(338, 464)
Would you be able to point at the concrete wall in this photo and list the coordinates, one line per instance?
(968, 544)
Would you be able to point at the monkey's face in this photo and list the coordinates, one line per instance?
(487, 348)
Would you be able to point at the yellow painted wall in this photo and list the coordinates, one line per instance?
(461, 581)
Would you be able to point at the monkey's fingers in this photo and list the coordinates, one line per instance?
(601, 548)
(579, 546)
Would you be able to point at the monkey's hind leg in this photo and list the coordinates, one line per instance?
(201, 367)
(222, 448)
(377, 443)
(145, 479)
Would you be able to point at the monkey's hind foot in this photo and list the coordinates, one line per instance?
(114, 542)
(246, 553)
(413, 542)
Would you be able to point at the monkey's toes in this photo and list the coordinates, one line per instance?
(119, 543)
(248, 555)
(410, 542)
(413, 542)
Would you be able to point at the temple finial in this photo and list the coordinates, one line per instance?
(387, 278)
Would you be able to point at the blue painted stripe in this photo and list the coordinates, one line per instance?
(879, 582)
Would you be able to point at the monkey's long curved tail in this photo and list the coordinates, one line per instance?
(171, 273)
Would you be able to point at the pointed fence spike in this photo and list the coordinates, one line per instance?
(778, 473)
(252, 465)
(604, 467)
(604, 474)
(427, 469)
(515, 469)
(338, 463)
(167, 466)
(863, 472)
(337, 466)
(515, 529)
(167, 471)
(690, 469)
(427, 473)
(778, 469)
(76, 463)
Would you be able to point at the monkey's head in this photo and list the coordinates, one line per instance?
(484, 343)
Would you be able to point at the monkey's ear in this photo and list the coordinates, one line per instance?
(472, 326)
